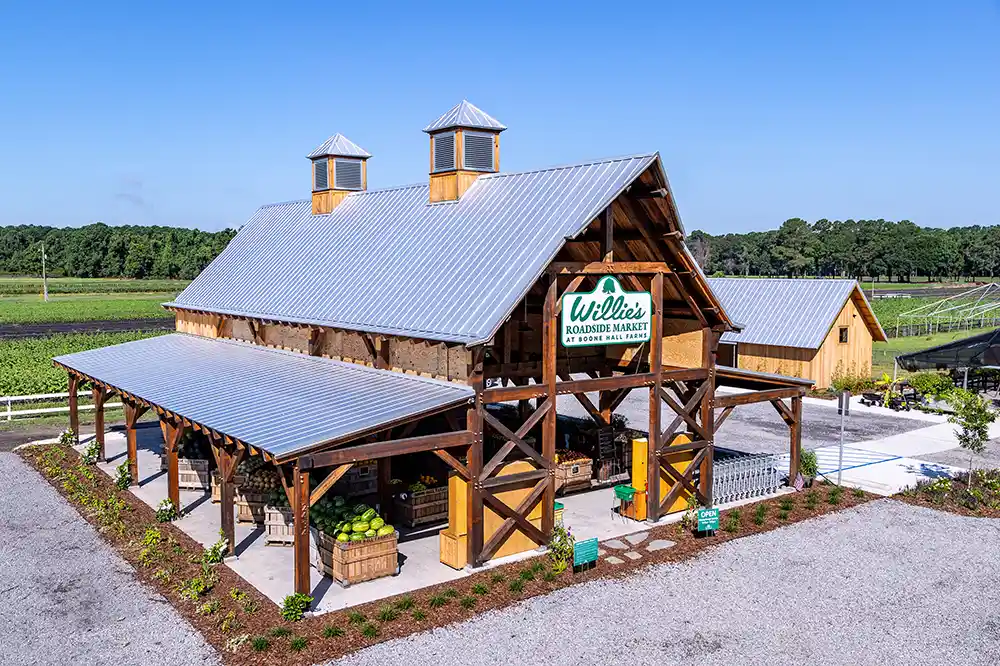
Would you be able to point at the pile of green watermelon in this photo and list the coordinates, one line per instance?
(332, 515)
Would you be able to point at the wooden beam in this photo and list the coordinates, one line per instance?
(795, 440)
(133, 412)
(317, 338)
(74, 411)
(607, 236)
(721, 418)
(454, 463)
(656, 366)
(516, 439)
(602, 268)
(328, 482)
(515, 518)
(175, 433)
(300, 529)
(392, 447)
(549, 343)
(736, 399)
(99, 395)
(685, 412)
(515, 479)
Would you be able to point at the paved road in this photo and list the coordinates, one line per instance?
(67, 598)
(886, 583)
(42, 330)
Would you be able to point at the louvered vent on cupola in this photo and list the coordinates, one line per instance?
(465, 143)
(342, 163)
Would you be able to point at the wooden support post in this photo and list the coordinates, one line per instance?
(173, 434)
(74, 413)
(132, 414)
(795, 437)
(300, 485)
(99, 397)
(656, 369)
(549, 345)
(707, 414)
(385, 488)
(474, 424)
(227, 461)
(607, 236)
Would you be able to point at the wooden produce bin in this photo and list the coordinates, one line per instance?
(192, 473)
(454, 538)
(680, 461)
(422, 507)
(350, 562)
(238, 479)
(278, 526)
(250, 507)
(574, 475)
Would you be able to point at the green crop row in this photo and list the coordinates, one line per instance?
(26, 364)
(82, 307)
(24, 285)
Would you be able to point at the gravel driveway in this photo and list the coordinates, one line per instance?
(886, 583)
(67, 598)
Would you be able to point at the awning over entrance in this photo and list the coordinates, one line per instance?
(979, 351)
(284, 403)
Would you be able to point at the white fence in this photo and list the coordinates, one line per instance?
(747, 476)
(8, 401)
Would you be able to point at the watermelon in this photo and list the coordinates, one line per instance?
(339, 501)
(385, 530)
(368, 515)
(360, 527)
(343, 537)
(360, 508)
(370, 533)
(357, 537)
(345, 527)
(376, 523)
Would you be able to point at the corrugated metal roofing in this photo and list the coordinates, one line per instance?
(468, 115)
(282, 402)
(339, 145)
(783, 312)
(387, 261)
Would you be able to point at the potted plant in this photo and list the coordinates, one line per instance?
(808, 468)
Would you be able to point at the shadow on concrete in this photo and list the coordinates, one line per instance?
(148, 478)
(248, 540)
(930, 470)
(322, 587)
(195, 504)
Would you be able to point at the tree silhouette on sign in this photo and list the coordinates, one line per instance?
(609, 286)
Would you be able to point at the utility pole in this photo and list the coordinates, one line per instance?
(45, 279)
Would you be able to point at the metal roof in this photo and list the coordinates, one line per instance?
(389, 262)
(282, 402)
(468, 115)
(339, 145)
(785, 312)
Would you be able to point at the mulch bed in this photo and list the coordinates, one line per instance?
(954, 495)
(463, 599)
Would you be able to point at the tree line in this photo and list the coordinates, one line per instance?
(900, 250)
(98, 250)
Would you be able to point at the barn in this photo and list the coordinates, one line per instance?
(809, 328)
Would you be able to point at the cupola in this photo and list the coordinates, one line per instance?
(339, 167)
(465, 143)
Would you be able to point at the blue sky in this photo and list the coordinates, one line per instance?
(194, 114)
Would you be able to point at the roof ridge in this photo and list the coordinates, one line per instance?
(560, 167)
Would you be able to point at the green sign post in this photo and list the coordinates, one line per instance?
(609, 315)
(708, 520)
(584, 552)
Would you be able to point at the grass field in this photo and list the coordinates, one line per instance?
(82, 307)
(883, 353)
(26, 364)
(29, 285)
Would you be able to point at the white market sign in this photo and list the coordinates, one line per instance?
(609, 315)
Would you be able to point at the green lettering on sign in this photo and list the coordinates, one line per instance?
(609, 315)
(708, 520)
(584, 552)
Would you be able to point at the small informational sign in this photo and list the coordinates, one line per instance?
(609, 315)
(584, 552)
(708, 520)
(844, 403)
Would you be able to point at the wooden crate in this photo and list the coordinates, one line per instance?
(422, 507)
(278, 526)
(360, 480)
(250, 507)
(192, 473)
(357, 561)
(574, 475)
(238, 480)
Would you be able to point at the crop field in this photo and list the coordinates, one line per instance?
(28, 285)
(26, 364)
(82, 307)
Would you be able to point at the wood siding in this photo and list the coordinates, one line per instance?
(823, 364)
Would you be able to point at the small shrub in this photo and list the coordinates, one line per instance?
(857, 492)
(480, 589)
(808, 464)
(812, 499)
(229, 623)
(196, 587)
(215, 553)
(786, 503)
(437, 601)
(451, 593)
(91, 452)
(782, 514)
(354, 617)
(387, 613)
(297, 644)
(931, 383)
(123, 477)
(67, 438)
(279, 632)
(760, 514)
(419, 615)
(516, 586)
(152, 537)
(236, 642)
(369, 631)
(559, 567)
(560, 548)
(330, 631)
(209, 607)
(405, 603)
(527, 574)
(549, 576)
(162, 575)
(467, 602)
(732, 521)
(166, 511)
(834, 495)
(294, 606)
(496, 578)
(260, 643)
